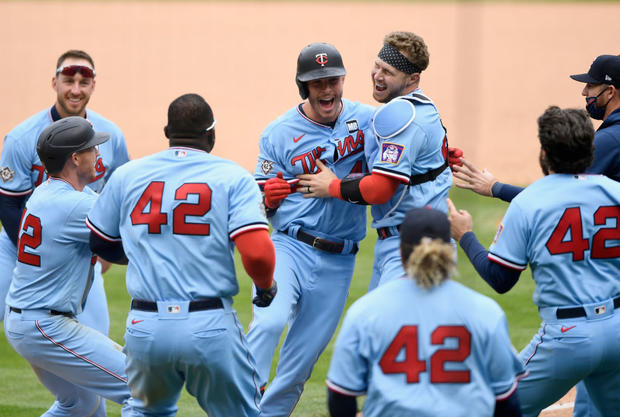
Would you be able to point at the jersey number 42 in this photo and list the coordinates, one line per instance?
(412, 366)
(148, 209)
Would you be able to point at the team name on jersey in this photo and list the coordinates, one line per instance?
(344, 148)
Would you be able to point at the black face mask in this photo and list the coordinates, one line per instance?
(593, 109)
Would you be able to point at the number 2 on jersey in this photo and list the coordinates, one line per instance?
(31, 241)
(155, 218)
(411, 365)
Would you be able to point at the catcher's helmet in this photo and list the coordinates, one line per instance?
(63, 137)
(317, 60)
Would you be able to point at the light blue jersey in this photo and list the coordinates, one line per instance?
(410, 145)
(55, 265)
(292, 143)
(177, 234)
(415, 352)
(410, 140)
(570, 238)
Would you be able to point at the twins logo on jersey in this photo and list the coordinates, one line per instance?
(344, 148)
(100, 169)
(391, 152)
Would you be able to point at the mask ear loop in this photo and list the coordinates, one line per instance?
(212, 125)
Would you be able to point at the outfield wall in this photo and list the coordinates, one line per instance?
(494, 67)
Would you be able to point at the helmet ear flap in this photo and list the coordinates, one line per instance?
(303, 89)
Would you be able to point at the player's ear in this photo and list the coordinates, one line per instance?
(166, 132)
(210, 140)
(54, 81)
(413, 79)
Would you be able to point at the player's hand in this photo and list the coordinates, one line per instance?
(460, 221)
(454, 157)
(276, 190)
(480, 182)
(105, 265)
(316, 185)
(264, 297)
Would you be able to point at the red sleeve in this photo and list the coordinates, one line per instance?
(258, 256)
(375, 188)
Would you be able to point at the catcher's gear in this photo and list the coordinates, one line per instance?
(454, 157)
(264, 297)
(276, 190)
(64, 137)
(317, 60)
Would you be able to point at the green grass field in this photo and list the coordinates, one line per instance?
(21, 395)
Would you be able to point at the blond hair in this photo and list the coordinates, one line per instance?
(431, 262)
(410, 45)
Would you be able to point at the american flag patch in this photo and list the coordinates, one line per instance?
(174, 309)
(180, 153)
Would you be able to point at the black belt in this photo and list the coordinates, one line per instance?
(52, 312)
(196, 305)
(385, 232)
(573, 312)
(321, 244)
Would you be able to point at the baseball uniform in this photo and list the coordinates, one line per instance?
(410, 145)
(416, 352)
(315, 241)
(22, 171)
(565, 227)
(176, 213)
(50, 285)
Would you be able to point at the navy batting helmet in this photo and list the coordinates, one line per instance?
(64, 137)
(317, 60)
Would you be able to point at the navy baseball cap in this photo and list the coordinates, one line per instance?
(604, 70)
(424, 222)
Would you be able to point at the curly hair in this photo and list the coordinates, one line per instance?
(566, 136)
(410, 45)
(430, 262)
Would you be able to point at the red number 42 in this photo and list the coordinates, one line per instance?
(578, 245)
(155, 218)
(412, 366)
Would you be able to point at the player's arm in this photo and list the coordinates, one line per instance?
(508, 407)
(11, 208)
(341, 405)
(258, 256)
(374, 188)
(483, 182)
(499, 277)
(111, 251)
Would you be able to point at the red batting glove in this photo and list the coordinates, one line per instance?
(276, 190)
(454, 157)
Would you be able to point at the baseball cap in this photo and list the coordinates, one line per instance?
(424, 222)
(604, 70)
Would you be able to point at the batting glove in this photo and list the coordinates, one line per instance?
(264, 297)
(454, 157)
(276, 190)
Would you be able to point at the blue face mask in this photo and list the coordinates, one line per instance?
(593, 109)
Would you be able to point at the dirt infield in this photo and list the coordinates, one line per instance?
(494, 67)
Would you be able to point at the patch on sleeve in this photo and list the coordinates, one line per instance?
(6, 174)
(266, 166)
(391, 152)
(499, 232)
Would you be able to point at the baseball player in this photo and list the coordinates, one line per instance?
(21, 169)
(408, 159)
(602, 86)
(424, 345)
(565, 227)
(174, 216)
(53, 277)
(315, 240)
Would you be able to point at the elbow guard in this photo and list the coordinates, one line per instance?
(350, 191)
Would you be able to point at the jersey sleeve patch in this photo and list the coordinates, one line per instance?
(392, 118)
(344, 391)
(391, 152)
(6, 174)
(506, 263)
